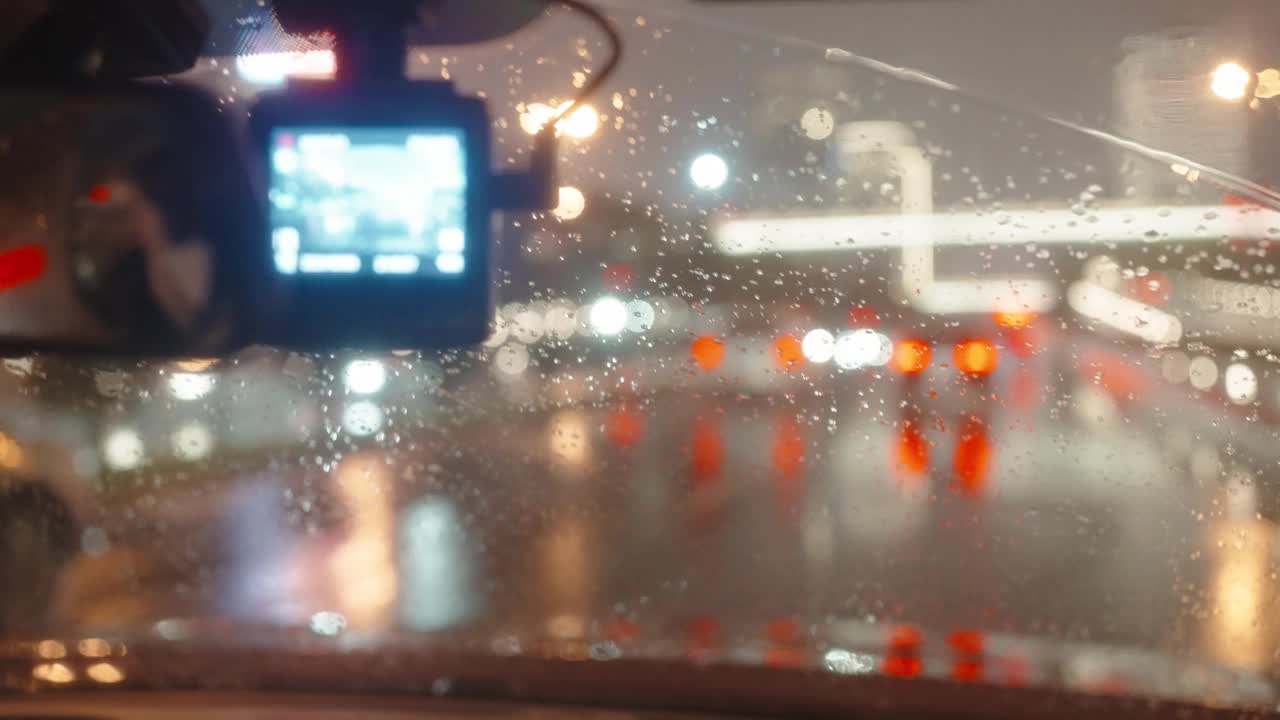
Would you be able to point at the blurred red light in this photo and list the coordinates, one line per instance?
(863, 317)
(904, 667)
(708, 450)
(788, 450)
(708, 352)
(912, 452)
(967, 642)
(911, 356)
(1022, 342)
(1027, 389)
(618, 277)
(784, 631)
(1153, 289)
(967, 671)
(902, 658)
(1017, 671)
(785, 657)
(703, 635)
(622, 630)
(905, 638)
(787, 352)
(1113, 372)
(976, 357)
(624, 428)
(22, 265)
(973, 458)
(99, 194)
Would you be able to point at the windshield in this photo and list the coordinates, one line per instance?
(818, 363)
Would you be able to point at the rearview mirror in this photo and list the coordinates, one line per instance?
(121, 220)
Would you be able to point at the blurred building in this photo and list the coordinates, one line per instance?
(1163, 98)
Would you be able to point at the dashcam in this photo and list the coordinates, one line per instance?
(377, 208)
(358, 213)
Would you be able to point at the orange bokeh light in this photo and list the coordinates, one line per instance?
(787, 352)
(976, 357)
(708, 352)
(911, 356)
(1014, 319)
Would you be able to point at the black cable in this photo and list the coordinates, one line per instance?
(598, 77)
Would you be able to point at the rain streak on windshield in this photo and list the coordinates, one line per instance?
(813, 365)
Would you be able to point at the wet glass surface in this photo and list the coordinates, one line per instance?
(812, 365)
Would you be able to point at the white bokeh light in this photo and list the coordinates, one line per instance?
(190, 386)
(817, 123)
(709, 171)
(1202, 372)
(1240, 383)
(511, 359)
(560, 321)
(527, 326)
(1230, 81)
(640, 316)
(192, 441)
(818, 346)
(122, 449)
(498, 333)
(362, 418)
(608, 316)
(862, 348)
(571, 204)
(364, 377)
(274, 68)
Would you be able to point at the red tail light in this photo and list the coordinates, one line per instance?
(903, 656)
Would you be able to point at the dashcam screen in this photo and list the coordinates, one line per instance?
(371, 201)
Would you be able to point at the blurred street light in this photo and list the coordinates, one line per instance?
(709, 171)
(581, 123)
(572, 203)
(1230, 81)
(365, 377)
(608, 316)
